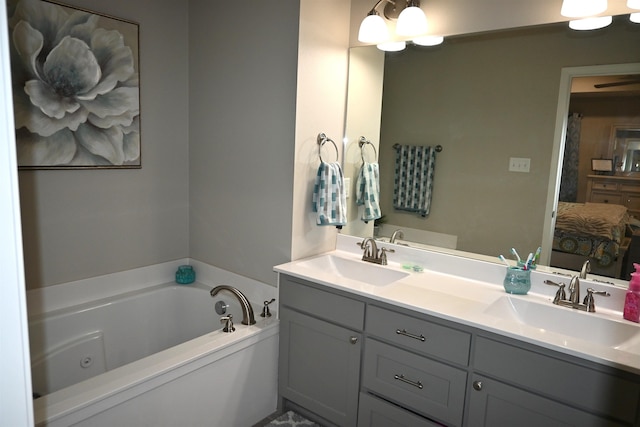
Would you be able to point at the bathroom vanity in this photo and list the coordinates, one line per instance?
(431, 348)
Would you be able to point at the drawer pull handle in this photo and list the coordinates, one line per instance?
(410, 335)
(404, 380)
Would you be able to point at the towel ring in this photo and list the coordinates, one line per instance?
(322, 138)
(364, 141)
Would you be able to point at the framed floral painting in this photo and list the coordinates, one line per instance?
(75, 87)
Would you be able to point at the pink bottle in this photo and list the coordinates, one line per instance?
(632, 299)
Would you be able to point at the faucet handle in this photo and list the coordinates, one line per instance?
(228, 323)
(383, 255)
(589, 300)
(265, 308)
(560, 294)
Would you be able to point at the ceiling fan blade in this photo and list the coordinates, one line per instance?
(612, 84)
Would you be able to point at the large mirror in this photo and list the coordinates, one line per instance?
(489, 100)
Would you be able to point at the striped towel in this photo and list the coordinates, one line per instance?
(413, 182)
(329, 198)
(368, 191)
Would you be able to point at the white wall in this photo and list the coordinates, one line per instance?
(16, 402)
(320, 107)
(83, 223)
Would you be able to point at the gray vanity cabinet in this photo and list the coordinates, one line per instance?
(397, 367)
(320, 348)
(529, 387)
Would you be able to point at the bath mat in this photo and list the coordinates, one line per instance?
(291, 419)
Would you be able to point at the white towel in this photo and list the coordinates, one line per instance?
(368, 191)
(329, 197)
(413, 183)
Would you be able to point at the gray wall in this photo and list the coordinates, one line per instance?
(242, 100)
(84, 223)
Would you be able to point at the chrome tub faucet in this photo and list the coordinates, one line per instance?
(247, 311)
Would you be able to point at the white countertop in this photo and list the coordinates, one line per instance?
(465, 300)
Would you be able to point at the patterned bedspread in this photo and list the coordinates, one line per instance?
(591, 229)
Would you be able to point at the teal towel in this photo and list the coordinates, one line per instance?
(329, 197)
(413, 182)
(368, 191)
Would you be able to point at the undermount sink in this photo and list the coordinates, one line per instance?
(569, 322)
(361, 271)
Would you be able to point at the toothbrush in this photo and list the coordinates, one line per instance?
(503, 259)
(528, 263)
(536, 257)
(515, 253)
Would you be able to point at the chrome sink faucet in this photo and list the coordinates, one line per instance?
(588, 304)
(371, 252)
(247, 311)
(586, 268)
(398, 234)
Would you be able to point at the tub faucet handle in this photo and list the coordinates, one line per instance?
(265, 308)
(228, 323)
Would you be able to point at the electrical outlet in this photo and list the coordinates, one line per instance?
(519, 164)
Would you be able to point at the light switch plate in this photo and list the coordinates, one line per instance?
(519, 164)
(347, 187)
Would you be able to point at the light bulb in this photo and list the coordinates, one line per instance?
(411, 22)
(428, 40)
(592, 23)
(392, 46)
(582, 8)
(633, 4)
(373, 30)
(635, 17)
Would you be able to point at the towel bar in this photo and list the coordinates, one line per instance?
(438, 147)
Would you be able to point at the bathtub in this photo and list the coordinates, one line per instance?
(153, 356)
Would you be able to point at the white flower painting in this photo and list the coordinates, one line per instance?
(75, 87)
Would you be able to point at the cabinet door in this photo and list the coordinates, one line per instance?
(493, 403)
(319, 366)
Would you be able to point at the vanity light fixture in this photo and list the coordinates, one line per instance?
(591, 23)
(392, 46)
(635, 17)
(633, 4)
(582, 8)
(373, 29)
(410, 22)
(428, 40)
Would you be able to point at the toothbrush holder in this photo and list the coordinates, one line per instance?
(517, 281)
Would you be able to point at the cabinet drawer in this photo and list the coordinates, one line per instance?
(418, 334)
(374, 412)
(630, 188)
(594, 391)
(608, 186)
(602, 197)
(423, 385)
(326, 305)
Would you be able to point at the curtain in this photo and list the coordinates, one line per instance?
(569, 179)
